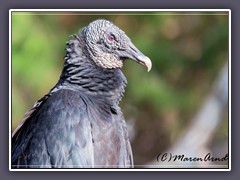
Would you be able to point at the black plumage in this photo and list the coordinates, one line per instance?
(79, 124)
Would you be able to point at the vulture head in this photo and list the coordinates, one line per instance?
(108, 46)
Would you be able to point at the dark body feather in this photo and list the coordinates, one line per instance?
(78, 124)
(69, 130)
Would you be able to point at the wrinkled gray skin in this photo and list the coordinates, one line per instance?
(79, 124)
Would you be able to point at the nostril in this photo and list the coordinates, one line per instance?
(134, 49)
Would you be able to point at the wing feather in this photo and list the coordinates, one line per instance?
(55, 135)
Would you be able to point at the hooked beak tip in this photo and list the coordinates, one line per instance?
(146, 61)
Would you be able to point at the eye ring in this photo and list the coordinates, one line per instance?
(111, 37)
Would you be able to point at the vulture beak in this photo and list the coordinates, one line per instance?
(136, 55)
(144, 60)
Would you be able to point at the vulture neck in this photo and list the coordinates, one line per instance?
(82, 74)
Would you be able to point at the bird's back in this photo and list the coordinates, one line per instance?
(72, 129)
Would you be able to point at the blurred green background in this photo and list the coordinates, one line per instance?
(187, 50)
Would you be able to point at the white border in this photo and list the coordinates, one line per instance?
(116, 10)
(229, 90)
(124, 10)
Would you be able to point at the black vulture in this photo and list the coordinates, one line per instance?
(79, 123)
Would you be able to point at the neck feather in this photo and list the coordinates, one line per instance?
(81, 73)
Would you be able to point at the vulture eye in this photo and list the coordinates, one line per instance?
(111, 37)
